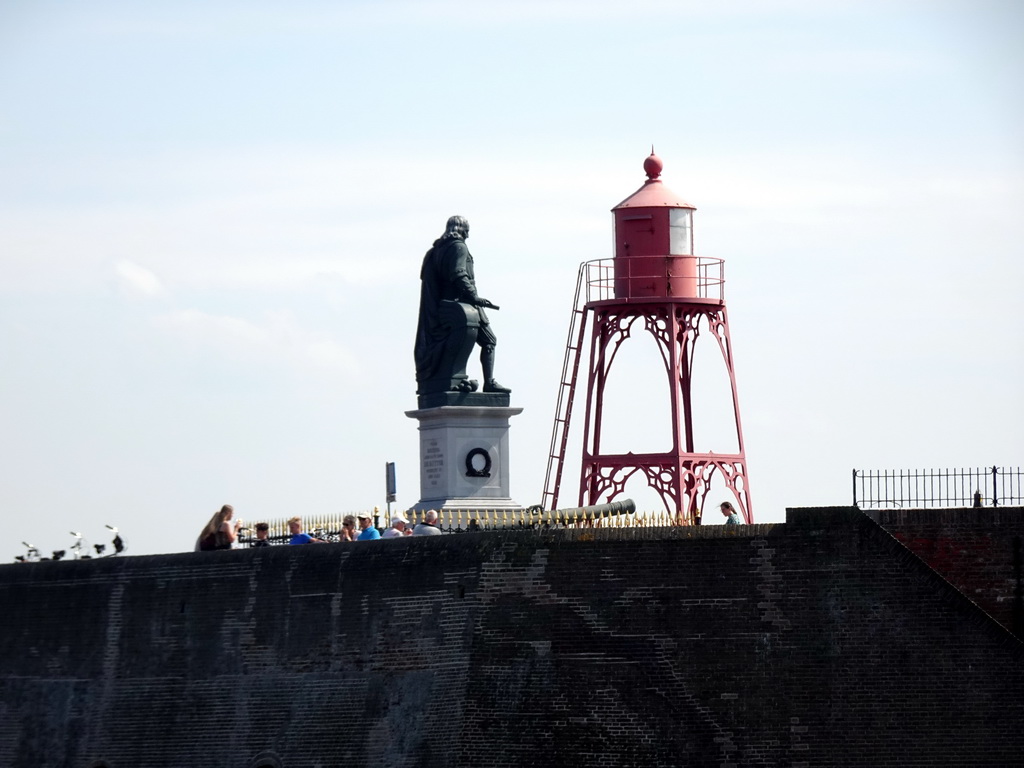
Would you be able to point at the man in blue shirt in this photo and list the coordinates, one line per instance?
(366, 530)
(298, 537)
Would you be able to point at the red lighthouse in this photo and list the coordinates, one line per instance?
(655, 283)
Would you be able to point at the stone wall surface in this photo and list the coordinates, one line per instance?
(821, 642)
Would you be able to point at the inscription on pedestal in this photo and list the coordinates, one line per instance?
(433, 463)
(464, 457)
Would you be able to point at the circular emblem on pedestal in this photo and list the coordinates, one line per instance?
(478, 463)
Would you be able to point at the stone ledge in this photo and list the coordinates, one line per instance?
(471, 399)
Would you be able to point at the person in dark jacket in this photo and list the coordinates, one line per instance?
(262, 536)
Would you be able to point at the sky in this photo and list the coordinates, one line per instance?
(212, 216)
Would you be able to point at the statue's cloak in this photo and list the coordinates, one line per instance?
(446, 276)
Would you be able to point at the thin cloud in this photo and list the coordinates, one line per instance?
(276, 340)
(134, 280)
(321, 218)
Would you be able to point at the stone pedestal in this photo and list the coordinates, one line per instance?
(464, 455)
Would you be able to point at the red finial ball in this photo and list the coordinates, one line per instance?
(653, 166)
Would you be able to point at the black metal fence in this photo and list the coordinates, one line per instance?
(925, 488)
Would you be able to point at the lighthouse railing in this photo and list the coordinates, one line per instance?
(701, 277)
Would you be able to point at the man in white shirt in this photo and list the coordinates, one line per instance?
(399, 528)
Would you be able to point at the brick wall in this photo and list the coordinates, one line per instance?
(977, 550)
(820, 642)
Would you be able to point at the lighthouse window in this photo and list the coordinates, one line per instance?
(680, 228)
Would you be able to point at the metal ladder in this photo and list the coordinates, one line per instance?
(566, 393)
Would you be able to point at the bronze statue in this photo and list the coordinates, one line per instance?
(452, 318)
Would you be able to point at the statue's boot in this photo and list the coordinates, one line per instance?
(487, 363)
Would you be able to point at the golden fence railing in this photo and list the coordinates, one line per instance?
(328, 526)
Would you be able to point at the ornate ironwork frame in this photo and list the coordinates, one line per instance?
(681, 476)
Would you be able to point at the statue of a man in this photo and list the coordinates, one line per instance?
(447, 277)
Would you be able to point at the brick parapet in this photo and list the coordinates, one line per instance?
(978, 550)
(822, 641)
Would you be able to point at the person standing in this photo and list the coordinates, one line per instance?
(298, 537)
(731, 516)
(429, 525)
(348, 528)
(262, 535)
(221, 532)
(399, 528)
(366, 530)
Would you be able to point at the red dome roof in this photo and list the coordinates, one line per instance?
(653, 194)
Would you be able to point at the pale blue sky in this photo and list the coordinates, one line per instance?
(212, 217)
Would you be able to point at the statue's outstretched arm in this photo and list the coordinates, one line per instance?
(463, 277)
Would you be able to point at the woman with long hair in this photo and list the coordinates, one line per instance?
(731, 516)
(221, 532)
